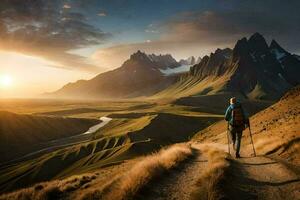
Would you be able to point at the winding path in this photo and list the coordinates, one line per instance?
(179, 182)
(253, 178)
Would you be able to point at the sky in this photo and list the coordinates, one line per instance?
(46, 44)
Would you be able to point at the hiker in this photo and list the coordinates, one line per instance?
(237, 123)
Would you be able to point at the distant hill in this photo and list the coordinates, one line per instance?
(21, 134)
(140, 75)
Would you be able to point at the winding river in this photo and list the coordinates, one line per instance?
(93, 129)
(63, 142)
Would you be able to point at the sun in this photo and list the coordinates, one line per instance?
(5, 80)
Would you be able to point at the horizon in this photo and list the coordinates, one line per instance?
(81, 39)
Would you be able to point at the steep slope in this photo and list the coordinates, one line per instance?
(274, 173)
(207, 77)
(275, 130)
(257, 72)
(289, 62)
(138, 76)
(252, 69)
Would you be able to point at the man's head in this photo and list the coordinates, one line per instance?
(233, 100)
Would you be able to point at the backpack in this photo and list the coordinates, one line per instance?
(237, 117)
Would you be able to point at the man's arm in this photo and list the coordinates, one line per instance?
(228, 113)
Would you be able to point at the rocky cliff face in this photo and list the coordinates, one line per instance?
(255, 69)
(212, 65)
(163, 61)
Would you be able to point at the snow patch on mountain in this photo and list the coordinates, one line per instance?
(180, 69)
(279, 55)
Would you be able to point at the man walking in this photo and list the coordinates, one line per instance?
(237, 120)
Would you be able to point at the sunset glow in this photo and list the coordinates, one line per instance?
(48, 44)
(30, 76)
(5, 80)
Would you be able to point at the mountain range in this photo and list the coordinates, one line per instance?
(138, 76)
(252, 69)
(190, 61)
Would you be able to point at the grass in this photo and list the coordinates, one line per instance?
(279, 146)
(67, 107)
(26, 133)
(209, 185)
(124, 138)
(124, 186)
(189, 86)
(52, 190)
(127, 185)
(124, 125)
(64, 162)
(137, 128)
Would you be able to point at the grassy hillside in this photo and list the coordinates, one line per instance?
(66, 161)
(126, 136)
(119, 182)
(137, 128)
(190, 85)
(275, 130)
(219, 102)
(20, 133)
(102, 164)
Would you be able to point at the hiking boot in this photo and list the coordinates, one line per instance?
(237, 155)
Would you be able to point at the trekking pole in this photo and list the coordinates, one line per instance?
(228, 141)
(252, 140)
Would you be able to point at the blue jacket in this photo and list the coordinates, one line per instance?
(228, 113)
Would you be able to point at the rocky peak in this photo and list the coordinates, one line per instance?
(226, 53)
(192, 60)
(139, 56)
(274, 45)
(258, 44)
(277, 50)
(198, 60)
(189, 61)
(163, 61)
(241, 48)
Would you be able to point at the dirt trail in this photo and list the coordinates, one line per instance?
(253, 178)
(178, 183)
(265, 178)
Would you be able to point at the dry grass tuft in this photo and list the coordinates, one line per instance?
(127, 185)
(122, 186)
(208, 186)
(51, 190)
(268, 146)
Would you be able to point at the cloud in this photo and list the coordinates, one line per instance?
(200, 32)
(152, 28)
(102, 14)
(271, 18)
(113, 57)
(67, 6)
(41, 28)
